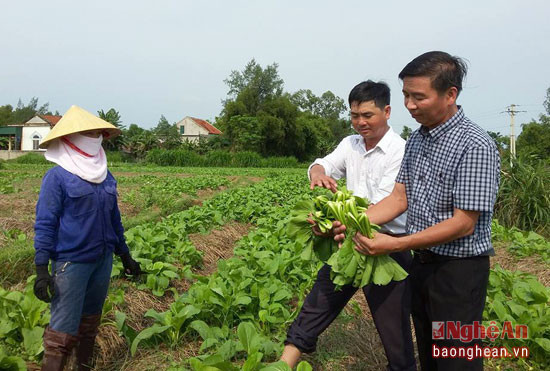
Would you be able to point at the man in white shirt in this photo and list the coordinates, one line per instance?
(370, 162)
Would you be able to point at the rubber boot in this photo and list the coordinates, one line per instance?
(57, 349)
(86, 336)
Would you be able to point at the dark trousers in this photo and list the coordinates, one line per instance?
(389, 305)
(447, 290)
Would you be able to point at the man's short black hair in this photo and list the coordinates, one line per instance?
(443, 69)
(379, 92)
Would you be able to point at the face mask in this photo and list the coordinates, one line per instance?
(87, 144)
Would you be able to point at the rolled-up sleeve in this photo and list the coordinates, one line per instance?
(335, 162)
(48, 212)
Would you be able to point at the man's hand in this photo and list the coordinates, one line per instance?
(323, 181)
(338, 230)
(320, 179)
(131, 266)
(380, 244)
(317, 231)
(44, 286)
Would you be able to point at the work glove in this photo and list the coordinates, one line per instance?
(130, 265)
(44, 286)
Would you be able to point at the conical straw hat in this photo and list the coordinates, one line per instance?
(76, 120)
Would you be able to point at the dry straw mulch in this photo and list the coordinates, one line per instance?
(531, 264)
(218, 244)
(112, 350)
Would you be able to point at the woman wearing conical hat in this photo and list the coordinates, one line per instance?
(77, 228)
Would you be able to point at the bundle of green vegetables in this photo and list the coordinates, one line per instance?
(348, 266)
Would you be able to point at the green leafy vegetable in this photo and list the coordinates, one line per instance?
(347, 265)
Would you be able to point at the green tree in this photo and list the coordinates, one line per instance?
(22, 112)
(4, 144)
(132, 131)
(246, 133)
(261, 83)
(534, 140)
(250, 90)
(546, 103)
(163, 128)
(141, 143)
(328, 105)
(406, 132)
(500, 140)
(281, 132)
(207, 144)
(167, 134)
(259, 116)
(5, 114)
(113, 116)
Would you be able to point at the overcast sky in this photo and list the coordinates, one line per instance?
(170, 57)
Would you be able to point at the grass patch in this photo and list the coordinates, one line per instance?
(156, 212)
(524, 197)
(16, 264)
(31, 158)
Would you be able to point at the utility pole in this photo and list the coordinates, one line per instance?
(511, 110)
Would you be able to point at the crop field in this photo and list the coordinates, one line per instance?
(224, 280)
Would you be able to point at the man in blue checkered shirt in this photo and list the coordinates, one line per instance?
(448, 184)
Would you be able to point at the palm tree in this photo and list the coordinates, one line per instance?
(141, 143)
(114, 118)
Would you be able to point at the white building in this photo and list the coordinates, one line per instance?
(35, 130)
(191, 129)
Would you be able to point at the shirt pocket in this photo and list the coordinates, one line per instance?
(442, 199)
(110, 195)
(81, 199)
(374, 174)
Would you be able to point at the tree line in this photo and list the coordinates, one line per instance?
(258, 115)
(23, 112)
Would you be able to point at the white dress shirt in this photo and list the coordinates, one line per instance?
(369, 174)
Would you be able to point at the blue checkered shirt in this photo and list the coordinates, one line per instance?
(454, 165)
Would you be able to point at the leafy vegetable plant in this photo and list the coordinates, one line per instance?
(348, 266)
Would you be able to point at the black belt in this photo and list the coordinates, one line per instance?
(427, 256)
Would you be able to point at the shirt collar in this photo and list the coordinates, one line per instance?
(384, 144)
(442, 129)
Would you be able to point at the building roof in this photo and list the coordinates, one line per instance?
(211, 129)
(51, 119)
